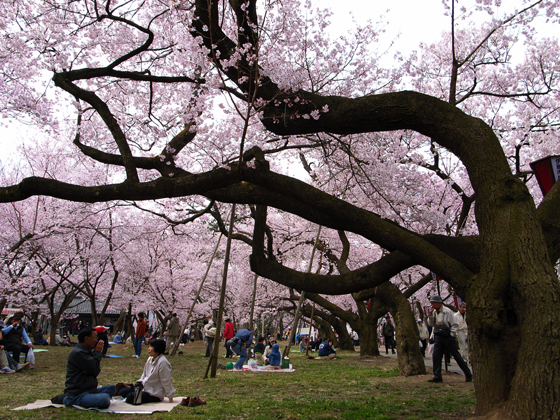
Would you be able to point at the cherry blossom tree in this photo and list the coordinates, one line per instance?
(400, 168)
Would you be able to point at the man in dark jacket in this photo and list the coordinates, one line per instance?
(389, 334)
(84, 364)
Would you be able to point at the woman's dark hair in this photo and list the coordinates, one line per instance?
(158, 345)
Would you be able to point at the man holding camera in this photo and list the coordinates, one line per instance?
(445, 327)
(14, 334)
(84, 365)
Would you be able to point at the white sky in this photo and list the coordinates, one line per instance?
(415, 20)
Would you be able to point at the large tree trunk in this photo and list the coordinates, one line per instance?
(514, 322)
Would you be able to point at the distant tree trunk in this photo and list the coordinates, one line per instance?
(120, 322)
(409, 357)
(344, 341)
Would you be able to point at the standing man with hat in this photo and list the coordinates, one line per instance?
(445, 327)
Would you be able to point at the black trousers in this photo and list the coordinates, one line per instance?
(16, 349)
(128, 395)
(389, 343)
(440, 346)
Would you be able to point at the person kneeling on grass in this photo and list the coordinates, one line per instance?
(156, 378)
(326, 350)
(84, 365)
(274, 358)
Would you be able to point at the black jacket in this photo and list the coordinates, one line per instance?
(82, 369)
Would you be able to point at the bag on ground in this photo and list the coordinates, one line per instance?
(30, 357)
(137, 400)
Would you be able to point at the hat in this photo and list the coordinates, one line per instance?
(100, 329)
(436, 299)
(419, 320)
(16, 316)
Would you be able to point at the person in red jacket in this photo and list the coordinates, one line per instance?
(140, 332)
(228, 335)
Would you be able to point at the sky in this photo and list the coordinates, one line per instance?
(414, 20)
(410, 23)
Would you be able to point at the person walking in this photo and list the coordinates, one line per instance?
(228, 335)
(423, 334)
(173, 331)
(389, 335)
(445, 328)
(462, 332)
(139, 337)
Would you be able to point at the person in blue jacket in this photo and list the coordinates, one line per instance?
(326, 350)
(241, 342)
(274, 358)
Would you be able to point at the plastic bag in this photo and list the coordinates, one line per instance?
(30, 357)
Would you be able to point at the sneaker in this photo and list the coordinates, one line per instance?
(6, 369)
(135, 356)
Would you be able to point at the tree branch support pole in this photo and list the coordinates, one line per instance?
(213, 362)
(310, 327)
(253, 302)
(176, 345)
(286, 351)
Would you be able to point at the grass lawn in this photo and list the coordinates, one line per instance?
(346, 388)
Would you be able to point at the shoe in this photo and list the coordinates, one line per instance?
(185, 401)
(195, 402)
(6, 369)
(436, 380)
(30, 367)
(468, 379)
(180, 352)
(135, 356)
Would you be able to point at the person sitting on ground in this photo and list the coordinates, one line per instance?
(303, 344)
(274, 358)
(268, 348)
(38, 338)
(326, 351)
(14, 334)
(259, 351)
(156, 378)
(118, 338)
(84, 365)
(66, 341)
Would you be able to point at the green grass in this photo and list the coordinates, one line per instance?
(346, 388)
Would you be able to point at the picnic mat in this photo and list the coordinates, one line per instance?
(117, 406)
(113, 356)
(260, 369)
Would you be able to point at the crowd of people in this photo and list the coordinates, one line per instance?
(442, 332)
